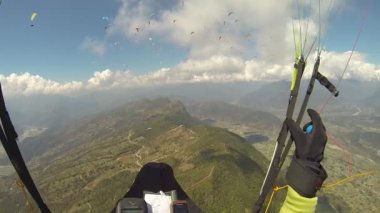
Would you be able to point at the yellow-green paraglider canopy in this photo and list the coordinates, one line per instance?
(33, 16)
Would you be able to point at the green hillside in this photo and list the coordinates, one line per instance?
(89, 165)
(352, 149)
(254, 125)
(221, 111)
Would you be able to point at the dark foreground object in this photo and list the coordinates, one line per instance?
(155, 177)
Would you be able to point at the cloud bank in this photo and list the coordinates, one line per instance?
(28, 84)
(214, 69)
(227, 41)
(207, 28)
(228, 27)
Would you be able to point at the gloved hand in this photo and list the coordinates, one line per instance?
(305, 173)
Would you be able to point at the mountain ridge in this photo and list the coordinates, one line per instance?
(93, 162)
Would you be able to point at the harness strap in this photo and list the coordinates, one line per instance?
(8, 137)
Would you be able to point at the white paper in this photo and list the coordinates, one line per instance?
(158, 203)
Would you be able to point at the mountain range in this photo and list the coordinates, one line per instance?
(82, 148)
(90, 163)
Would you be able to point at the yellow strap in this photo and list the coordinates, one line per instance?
(295, 73)
(294, 79)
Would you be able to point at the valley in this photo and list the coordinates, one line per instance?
(83, 169)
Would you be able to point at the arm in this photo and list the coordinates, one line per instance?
(294, 202)
(305, 174)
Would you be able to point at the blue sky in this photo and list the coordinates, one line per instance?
(53, 46)
(345, 25)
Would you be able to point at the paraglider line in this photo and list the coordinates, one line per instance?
(325, 186)
(307, 29)
(337, 183)
(364, 19)
(28, 202)
(275, 189)
(294, 38)
(319, 30)
(311, 48)
(299, 23)
(344, 151)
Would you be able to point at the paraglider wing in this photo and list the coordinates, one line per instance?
(33, 16)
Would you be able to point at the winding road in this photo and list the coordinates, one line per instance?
(194, 185)
(137, 154)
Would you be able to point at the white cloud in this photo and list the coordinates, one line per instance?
(194, 25)
(228, 27)
(94, 46)
(28, 84)
(334, 63)
(221, 35)
(217, 68)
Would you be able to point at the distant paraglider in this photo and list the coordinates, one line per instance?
(106, 19)
(229, 19)
(32, 18)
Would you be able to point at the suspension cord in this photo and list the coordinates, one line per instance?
(363, 21)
